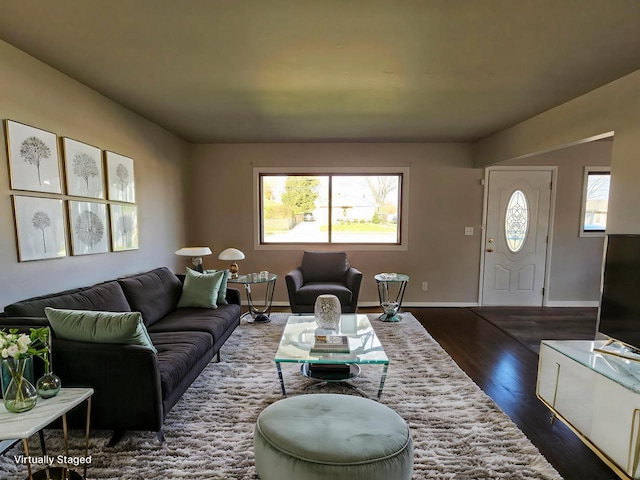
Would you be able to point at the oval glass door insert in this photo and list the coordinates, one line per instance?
(516, 222)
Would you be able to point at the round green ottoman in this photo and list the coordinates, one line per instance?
(327, 436)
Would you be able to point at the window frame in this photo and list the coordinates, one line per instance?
(403, 204)
(583, 207)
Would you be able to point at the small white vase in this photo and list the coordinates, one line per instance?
(327, 311)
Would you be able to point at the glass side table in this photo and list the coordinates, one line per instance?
(391, 308)
(257, 314)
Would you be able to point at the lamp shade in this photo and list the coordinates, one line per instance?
(231, 254)
(193, 251)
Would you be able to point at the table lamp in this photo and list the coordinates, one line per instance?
(232, 254)
(196, 254)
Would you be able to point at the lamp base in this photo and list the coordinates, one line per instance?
(233, 270)
(197, 264)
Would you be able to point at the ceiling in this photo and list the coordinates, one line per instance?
(332, 70)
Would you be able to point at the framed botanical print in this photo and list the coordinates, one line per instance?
(124, 227)
(34, 164)
(120, 178)
(40, 228)
(83, 169)
(89, 229)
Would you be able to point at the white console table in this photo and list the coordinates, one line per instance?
(24, 425)
(598, 396)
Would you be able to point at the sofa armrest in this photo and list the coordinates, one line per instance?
(23, 323)
(234, 296)
(125, 378)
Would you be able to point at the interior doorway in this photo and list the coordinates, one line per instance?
(519, 205)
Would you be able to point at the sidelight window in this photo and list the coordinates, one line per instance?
(595, 201)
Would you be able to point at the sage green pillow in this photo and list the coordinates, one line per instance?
(200, 289)
(222, 293)
(99, 327)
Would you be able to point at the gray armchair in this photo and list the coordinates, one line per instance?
(323, 272)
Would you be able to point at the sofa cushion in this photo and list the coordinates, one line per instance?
(222, 293)
(154, 293)
(324, 266)
(178, 353)
(99, 327)
(106, 296)
(308, 293)
(200, 289)
(214, 322)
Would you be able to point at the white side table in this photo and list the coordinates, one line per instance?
(24, 425)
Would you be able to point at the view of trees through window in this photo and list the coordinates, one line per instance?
(596, 201)
(330, 208)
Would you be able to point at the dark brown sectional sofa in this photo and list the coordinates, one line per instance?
(135, 387)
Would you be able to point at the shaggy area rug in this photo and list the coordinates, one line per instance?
(458, 431)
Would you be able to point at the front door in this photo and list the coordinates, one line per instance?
(517, 228)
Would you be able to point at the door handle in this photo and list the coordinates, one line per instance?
(489, 250)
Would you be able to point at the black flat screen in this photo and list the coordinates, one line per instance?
(620, 303)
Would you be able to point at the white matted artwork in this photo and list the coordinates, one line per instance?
(40, 228)
(120, 178)
(124, 227)
(83, 169)
(33, 158)
(89, 231)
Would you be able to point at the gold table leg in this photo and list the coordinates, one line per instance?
(25, 442)
(86, 437)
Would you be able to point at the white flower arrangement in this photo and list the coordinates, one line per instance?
(23, 345)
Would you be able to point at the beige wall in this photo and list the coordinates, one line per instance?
(445, 196)
(445, 190)
(576, 262)
(613, 107)
(35, 94)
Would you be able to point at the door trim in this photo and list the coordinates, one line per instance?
(552, 210)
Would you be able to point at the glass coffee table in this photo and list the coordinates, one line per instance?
(365, 349)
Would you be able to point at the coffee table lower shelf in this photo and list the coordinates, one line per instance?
(339, 378)
(330, 372)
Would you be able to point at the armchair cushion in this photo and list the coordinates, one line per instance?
(324, 266)
(307, 294)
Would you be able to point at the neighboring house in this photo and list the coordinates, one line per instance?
(349, 207)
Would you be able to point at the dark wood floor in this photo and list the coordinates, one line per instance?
(506, 370)
(529, 325)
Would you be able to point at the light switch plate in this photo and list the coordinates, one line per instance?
(468, 231)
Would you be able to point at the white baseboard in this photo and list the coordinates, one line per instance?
(404, 305)
(550, 303)
(570, 303)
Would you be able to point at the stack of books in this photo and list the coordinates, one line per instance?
(330, 344)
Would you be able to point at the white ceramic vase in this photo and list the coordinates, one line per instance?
(327, 311)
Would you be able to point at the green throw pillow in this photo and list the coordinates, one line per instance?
(222, 293)
(99, 327)
(200, 289)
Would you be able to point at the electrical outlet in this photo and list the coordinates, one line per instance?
(425, 286)
(468, 231)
